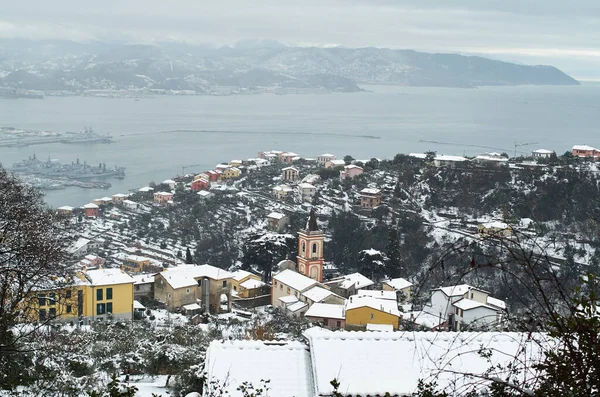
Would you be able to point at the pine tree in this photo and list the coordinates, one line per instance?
(188, 256)
(392, 250)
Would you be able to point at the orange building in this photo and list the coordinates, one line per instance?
(310, 249)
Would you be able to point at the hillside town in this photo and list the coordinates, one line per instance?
(140, 257)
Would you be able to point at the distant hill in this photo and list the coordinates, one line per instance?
(63, 65)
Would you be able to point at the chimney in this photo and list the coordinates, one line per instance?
(382, 292)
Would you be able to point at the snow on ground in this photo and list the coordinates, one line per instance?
(147, 385)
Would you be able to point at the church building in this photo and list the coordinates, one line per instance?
(310, 249)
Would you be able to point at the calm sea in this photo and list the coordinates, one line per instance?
(157, 136)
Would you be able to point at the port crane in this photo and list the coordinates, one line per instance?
(517, 144)
(189, 166)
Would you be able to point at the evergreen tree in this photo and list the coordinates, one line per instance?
(393, 266)
(188, 256)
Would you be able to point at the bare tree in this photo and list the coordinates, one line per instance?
(31, 260)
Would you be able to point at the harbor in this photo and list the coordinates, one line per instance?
(52, 175)
(16, 137)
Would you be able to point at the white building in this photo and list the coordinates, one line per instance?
(542, 153)
(132, 205)
(448, 161)
(322, 159)
(79, 248)
(307, 191)
(459, 305)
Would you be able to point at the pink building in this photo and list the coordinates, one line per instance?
(162, 197)
(351, 171)
(585, 151)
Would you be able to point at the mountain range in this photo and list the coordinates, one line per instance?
(250, 65)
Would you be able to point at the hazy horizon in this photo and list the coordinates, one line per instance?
(557, 33)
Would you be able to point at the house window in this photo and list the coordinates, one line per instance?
(372, 316)
(472, 295)
(169, 295)
(100, 309)
(109, 293)
(296, 294)
(225, 284)
(338, 324)
(187, 290)
(99, 294)
(68, 309)
(288, 290)
(314, 249)
(42, 300)
(137, 287)
(235, 288)
(42, 314)
(280, 286)
(52, 312)
(68, 294)
(109, 307)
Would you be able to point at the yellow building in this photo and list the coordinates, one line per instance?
(89, 296)
(399, 285)
(231, 172)
(363, 310)
(239, 276)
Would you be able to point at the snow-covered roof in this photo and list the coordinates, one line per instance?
(381, 294)
(543, 151)
(290, 169)
(129, 202)
(295, 280)
(418, 155)
(276, 215)
(370, 191)
(204, 193)
(297, 306)
(143, 279)
(286, 365)
(384, 305)
(584, 147)
(145, 189)
(80, 243)
(120, 195)
(236, 161)
(168, 181)
(380, 327)
(337, 162)
(239, 275)
(199, 271)
(457, 290)
(65, 208)
(192, 306)
(108, 277)
(305, 185)
(447, 157)
(91, 206)
(468, 304)
(179, 280)
(327, 155)
(352, 166)
(163, 194)
(423, 318)
(288, 299)
(496, 303)
(495, 225)
(398, 283)
(325, 310)
(376, 363)
(252, 283)
(317, 293)
(138, 305)
(489, 157)
(289, 154)
(350, 280)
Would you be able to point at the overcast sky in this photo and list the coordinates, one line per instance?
(563, 33)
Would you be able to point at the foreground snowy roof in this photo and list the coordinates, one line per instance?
(373, 363)
(286, 365)
(295, 280)
(325, 310)
(398, 283)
